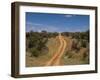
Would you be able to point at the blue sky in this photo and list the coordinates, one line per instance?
(56, 22)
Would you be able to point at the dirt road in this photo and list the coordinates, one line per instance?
(55, 60)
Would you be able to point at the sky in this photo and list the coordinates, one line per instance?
(56, 22)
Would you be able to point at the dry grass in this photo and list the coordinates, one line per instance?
(52, 44)
(73, 57)
(70, 57)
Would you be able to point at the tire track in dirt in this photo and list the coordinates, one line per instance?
(55, 60)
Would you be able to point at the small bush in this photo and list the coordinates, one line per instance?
(69, 54)
(34, 52)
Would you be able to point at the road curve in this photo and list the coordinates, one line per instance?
(55, 60)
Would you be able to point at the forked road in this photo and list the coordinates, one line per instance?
(55, 60)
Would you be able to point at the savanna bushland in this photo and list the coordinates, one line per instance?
(42, 46)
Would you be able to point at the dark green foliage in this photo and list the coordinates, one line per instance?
(36, 42)
(80, 39)
(66, 34)
(83, 43)
(78, 35)
(79, 47)
(54, 34)
(34, 52)
(74, 44)
(69, 54)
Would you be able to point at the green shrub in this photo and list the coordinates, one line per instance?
(34, 52)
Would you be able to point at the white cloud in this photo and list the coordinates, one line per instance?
(69, 16)
(39, 27)
(30, 23)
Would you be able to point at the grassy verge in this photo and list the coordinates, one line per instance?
(52, 45)
(75, 56)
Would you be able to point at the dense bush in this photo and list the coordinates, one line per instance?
(34, 52)
(36, 42)
(79, 39)
(78, 35)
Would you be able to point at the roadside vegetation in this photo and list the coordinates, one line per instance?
(36, 42)
(40, 47)
(79, 48)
